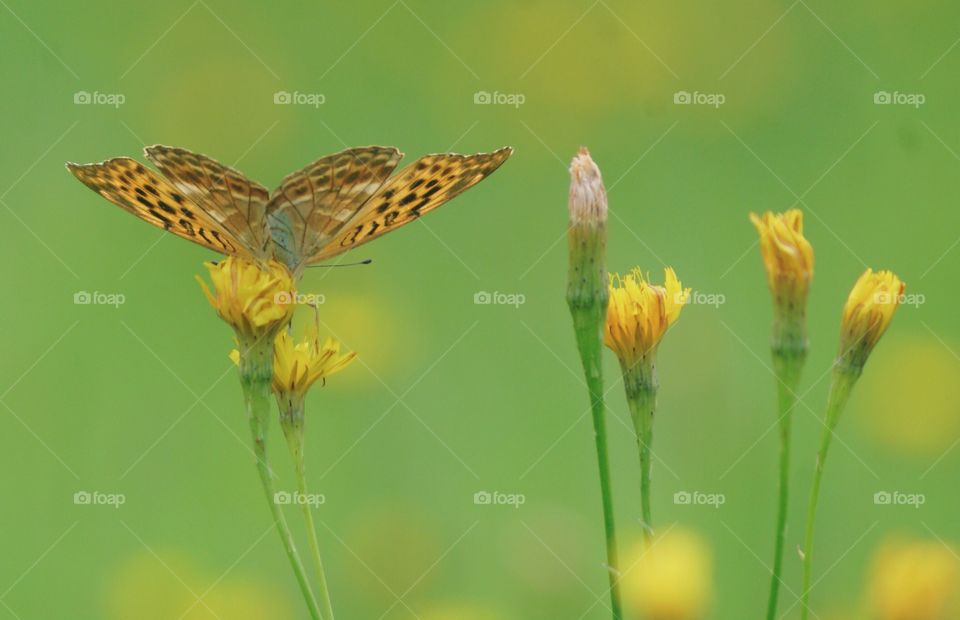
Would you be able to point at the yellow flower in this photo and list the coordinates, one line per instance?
(255, 300)
(639, 313)
(867, 314)
(787, 256)
(298, 365)
(914, 580)
(671, 578)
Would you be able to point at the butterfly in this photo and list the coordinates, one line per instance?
(335, 204)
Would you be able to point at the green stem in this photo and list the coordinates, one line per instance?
(644, 439)
(256, 372)
(640, 385)
(292, 422)
(588, 339)
(587, 297)
(839, 393)
(788, 378)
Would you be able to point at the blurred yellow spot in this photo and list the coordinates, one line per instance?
(911, 397)
(146, 588)
(383, 329)
(634, 57)
(672, 579)
(532, 565)
(914, 580)
(397, 543)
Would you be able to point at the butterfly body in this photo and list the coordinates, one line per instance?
(332, 205)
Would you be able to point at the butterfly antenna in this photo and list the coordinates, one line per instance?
(316, 314)
(365, 261)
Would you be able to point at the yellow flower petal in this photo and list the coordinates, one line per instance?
(787, 255)
(639, 313)
(298, 365)
(254, 299)
(867, 314)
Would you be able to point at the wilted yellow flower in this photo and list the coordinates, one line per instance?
(914, 580)
(255, 300)
(298, 365)
(787, 256)
(867, 314)
(639, 313)
(671, 578)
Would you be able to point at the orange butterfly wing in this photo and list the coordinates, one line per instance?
(421, 187)
(137, 189)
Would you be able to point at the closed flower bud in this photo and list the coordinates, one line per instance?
(866, 316)
(788, 258)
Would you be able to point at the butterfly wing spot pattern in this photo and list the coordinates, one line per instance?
(418, 189)
(226, 195)
(333, 205)
(137, 189)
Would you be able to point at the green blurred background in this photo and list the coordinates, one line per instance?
(454, 398)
